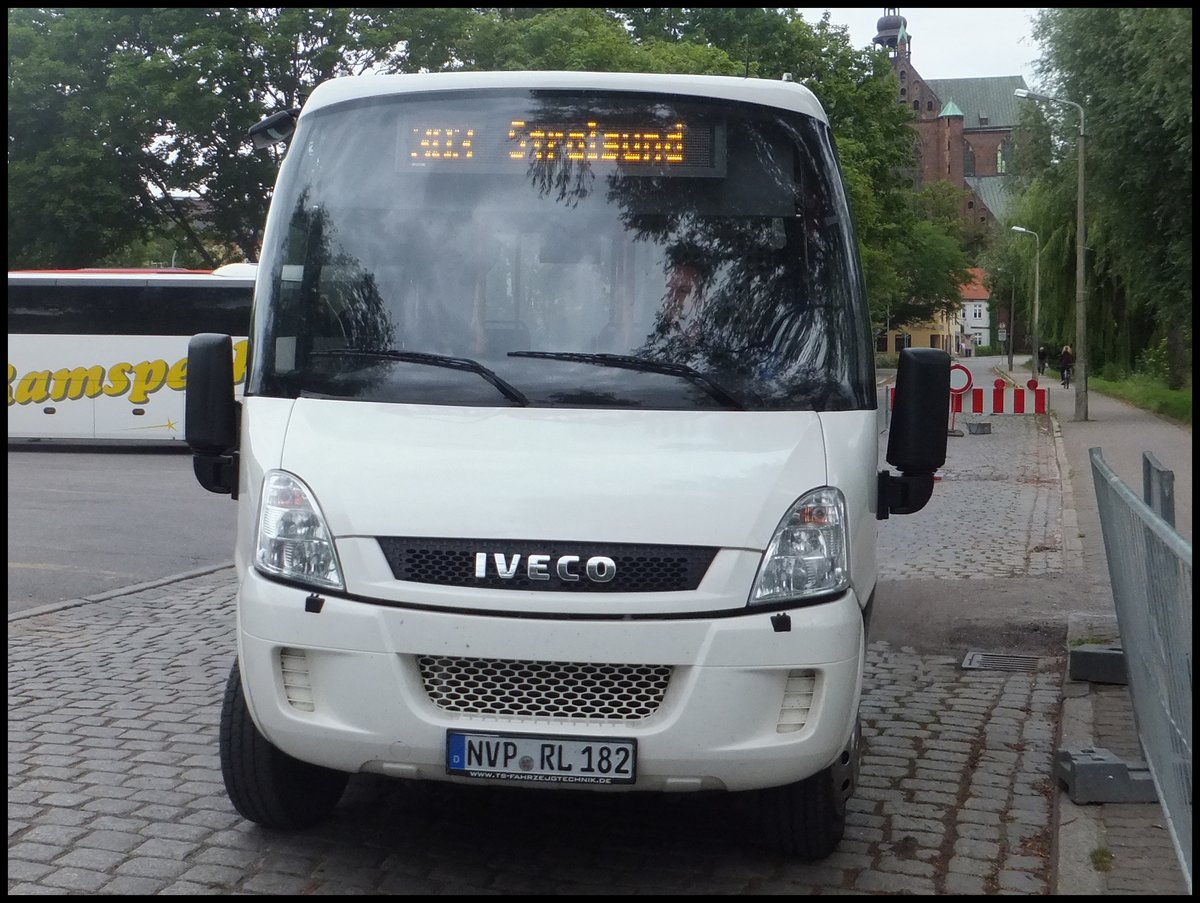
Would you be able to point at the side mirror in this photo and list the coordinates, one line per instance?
(917, 435)
(210, 413)
(275, 128)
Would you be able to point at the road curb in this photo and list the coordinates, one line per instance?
(113, 593)
(1077, 830)
(1072, 543)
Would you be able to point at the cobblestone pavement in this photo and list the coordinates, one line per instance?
(994, 513)
(115, 785)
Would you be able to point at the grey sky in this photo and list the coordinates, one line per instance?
(952, 43)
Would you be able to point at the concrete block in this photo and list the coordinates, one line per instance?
(1096, 775)
(1099, 663)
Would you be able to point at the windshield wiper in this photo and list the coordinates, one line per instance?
(629, 362)
(509, 391)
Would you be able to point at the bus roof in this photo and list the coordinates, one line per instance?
(232, 273)
(124, 270)
(132, 275)
(788, 95)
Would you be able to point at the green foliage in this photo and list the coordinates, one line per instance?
(1131, 68)
(1147, 393)
(1153, 361)
(561, 38)
(117, 117)
(1110, 372)
(1102, 859)
(120, 118)
(73, 192)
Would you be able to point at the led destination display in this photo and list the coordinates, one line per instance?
(675, 147)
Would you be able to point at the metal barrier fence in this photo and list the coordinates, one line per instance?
(1150, 566)
(1158, 488)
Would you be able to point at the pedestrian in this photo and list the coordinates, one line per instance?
(1041, 360)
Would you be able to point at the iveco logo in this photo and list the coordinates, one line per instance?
(598, 568)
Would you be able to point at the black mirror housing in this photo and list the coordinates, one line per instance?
(918, 430)
(275, 128)
(921, 415)
(211, 412)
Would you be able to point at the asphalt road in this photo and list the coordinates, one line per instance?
(83, 521)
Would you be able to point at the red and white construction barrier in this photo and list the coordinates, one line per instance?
(1000, 399)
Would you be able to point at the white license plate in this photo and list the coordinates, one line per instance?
(542, 759)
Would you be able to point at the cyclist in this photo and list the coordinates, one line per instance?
(1066, 363)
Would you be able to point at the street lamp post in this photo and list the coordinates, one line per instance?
(1037, 292)
(1081, 355)
(1011, 334)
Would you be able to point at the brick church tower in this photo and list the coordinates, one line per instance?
(964, 125)
(964, 137)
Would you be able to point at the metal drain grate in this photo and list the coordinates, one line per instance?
(995, 661)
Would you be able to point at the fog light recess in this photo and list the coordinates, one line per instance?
(798, 696)
(297, 682)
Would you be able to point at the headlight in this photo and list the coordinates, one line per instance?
(293, 541)
(807, 556)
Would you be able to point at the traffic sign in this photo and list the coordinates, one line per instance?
(965, 380)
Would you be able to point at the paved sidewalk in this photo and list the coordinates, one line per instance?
(1143, 859)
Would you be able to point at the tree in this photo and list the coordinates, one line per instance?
(912, 254)
(122, 122)
(1003, 268)
(127, 126)
(74, 193)
(1132, 71)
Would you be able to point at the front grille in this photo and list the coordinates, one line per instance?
(529, 689)
(638, 568)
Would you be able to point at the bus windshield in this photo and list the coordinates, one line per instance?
(563, 249)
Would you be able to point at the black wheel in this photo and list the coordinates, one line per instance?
(807, 819)
(264, 784)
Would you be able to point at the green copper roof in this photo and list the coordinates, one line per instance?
(994, 192)
(950, 110)
(981, 99)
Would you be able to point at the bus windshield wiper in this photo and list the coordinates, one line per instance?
(644, 365)
(509, 391)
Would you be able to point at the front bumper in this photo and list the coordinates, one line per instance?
(344, 688)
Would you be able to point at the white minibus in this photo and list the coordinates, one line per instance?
(557, 463)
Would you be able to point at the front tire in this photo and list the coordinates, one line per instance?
(265, 785)
(807, 819)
